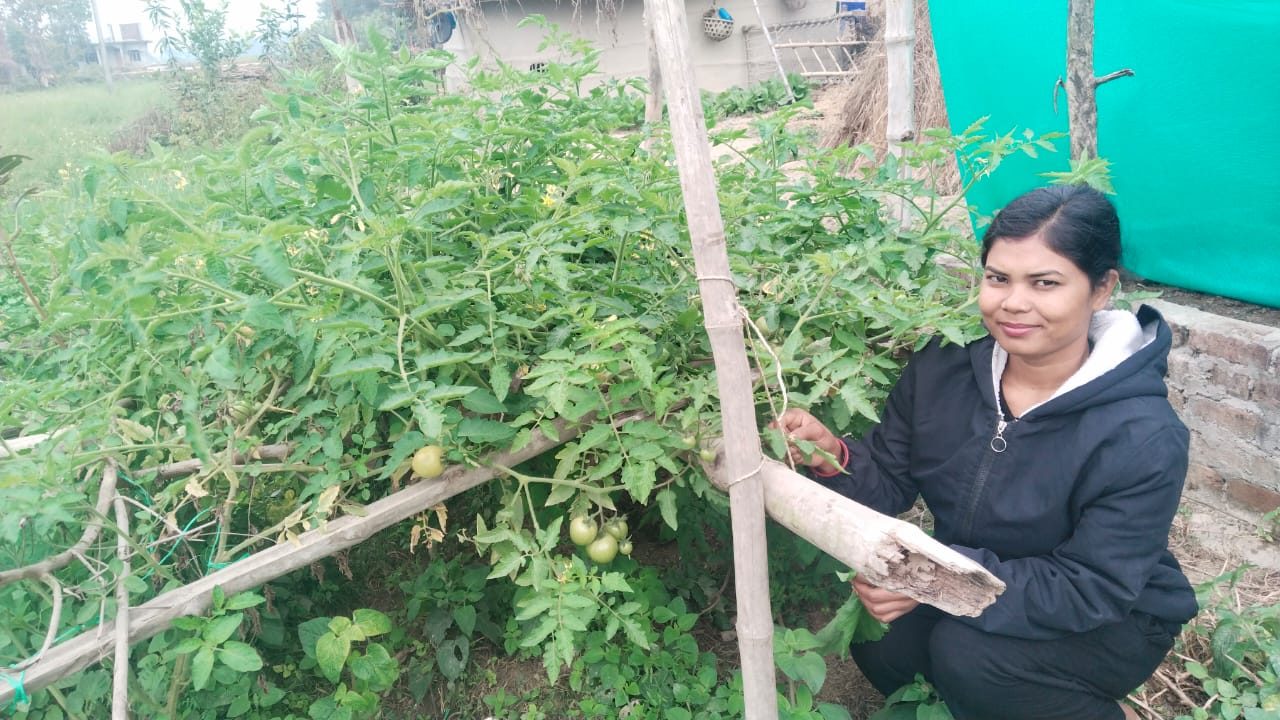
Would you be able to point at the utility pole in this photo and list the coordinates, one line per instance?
(102, 47)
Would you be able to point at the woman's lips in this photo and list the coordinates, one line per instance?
(1016, 330)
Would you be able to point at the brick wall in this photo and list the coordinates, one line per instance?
(1224, 380)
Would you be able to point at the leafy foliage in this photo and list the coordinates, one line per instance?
(200, 31)
(765, 96)
(45, 37)
(917, 701)
(1240, 674)
(363, 275)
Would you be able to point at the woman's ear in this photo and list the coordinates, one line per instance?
(1102, 293)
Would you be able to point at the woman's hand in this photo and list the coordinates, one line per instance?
(883, 605)
(797, 424)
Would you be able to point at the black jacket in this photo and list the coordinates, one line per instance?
(1073, 516)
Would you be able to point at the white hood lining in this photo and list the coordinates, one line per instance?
(1115, 336)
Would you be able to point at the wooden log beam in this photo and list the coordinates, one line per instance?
(156, 615)
(723, 321)
(893, 554)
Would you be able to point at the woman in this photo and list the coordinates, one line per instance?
(1048, 453)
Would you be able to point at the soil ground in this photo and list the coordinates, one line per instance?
(1215, 304)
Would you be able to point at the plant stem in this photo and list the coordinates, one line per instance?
(17, 271)
(175, 686)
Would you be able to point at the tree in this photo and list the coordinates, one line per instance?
(197, 30)
(46, 37)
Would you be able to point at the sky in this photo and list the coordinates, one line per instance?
(242, 15)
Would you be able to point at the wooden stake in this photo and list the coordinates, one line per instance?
(1082, 104)
(723, 322)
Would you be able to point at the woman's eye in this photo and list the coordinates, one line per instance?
(993, 278)
(1046, 283)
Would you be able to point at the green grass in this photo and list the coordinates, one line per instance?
(62, 125)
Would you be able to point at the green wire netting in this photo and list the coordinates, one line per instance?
(1192, 136)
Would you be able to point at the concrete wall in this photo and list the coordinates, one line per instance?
(622, 40)
(1224, 380)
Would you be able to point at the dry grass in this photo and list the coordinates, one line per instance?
(864, 102)
(1172, 691)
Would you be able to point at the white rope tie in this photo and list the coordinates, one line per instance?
(739, 479)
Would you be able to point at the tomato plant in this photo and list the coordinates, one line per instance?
(365, 275)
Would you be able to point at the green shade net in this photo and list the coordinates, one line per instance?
(1192, 138)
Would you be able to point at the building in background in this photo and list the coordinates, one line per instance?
(125, 47)
(727, 44)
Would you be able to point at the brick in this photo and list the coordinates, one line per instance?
(1216, 450)
(1203, 477)
(1231, 381)
(1237, 419)
(1243, 348)
(1182, 369)
(1261, 469)
(1257, 498)
(1266, 392)
(1271, 437)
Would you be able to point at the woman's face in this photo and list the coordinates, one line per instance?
(1036, 303)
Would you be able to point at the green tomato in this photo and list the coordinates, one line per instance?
(617, 527)
(428, 462)
(707, 455)
(582, 530)
(625, 547)
(240, 411)
(603, 549)
(689, 441)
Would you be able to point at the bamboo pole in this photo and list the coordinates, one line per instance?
(156, 615)
(777, 61)
(120, 671)
(723, 322)
(899, 49)
(652, 103)
(899, 56)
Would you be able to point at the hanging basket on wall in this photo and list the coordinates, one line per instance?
(717, 24)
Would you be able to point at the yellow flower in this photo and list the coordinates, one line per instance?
(548, 201)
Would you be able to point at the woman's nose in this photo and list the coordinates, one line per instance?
(1016, 300)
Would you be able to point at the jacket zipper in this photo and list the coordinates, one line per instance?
(998, 445)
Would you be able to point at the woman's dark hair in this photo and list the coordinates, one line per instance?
(1078, 222)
